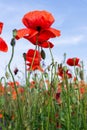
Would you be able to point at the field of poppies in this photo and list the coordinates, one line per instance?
(54, 97)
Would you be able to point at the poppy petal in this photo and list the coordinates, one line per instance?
(21, 33)
(31, 52)
(3, 45)
(36, 67)
(46, 44)
(1, 26)
(30, 59)
(73, 61)
(37, 18)
(48, 33)
(25, 32)
(30, 55)
(54, 32)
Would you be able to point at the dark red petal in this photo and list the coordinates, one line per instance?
(73, 61)
(46, 44)
(69, 75)
(45, 35)
(31, 52)
(30, 55)
(3, 45)
(1, 26)
(30, 59)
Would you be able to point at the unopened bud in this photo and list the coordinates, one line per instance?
(13, 42)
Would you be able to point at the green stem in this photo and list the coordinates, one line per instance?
(68, 103)
(51, 54)
(33, 58)
(26, 78)
(18, 102)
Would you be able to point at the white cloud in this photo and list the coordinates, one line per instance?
(68, 40)
(83, 28)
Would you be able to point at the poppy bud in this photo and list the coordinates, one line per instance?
(43, 55)
(24, 56)
(12, 42)
(81, 75)
(14, 32)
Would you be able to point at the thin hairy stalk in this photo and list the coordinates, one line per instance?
(33, 58)
(18, 102)
(24, 56)
(51, 54)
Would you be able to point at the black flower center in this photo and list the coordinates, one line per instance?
(38, 28)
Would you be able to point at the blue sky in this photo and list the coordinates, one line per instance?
(70, 18)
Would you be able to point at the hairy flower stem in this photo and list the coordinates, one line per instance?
(3, 78)
(34, 53)
(26, 79)
(18, 102)
(33, 58)
(68, 114)
(51, 54)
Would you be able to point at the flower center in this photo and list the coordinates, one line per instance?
(38, 28)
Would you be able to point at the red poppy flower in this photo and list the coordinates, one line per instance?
(69, 75)
(61, 73)
(11, 84)
(73, 61)
(1, 89)
(33, 57)
(1, 26)
(35, 67)
(38, 23)
(3, 45)
(1, 115)
(82, 90)
(42, 43)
